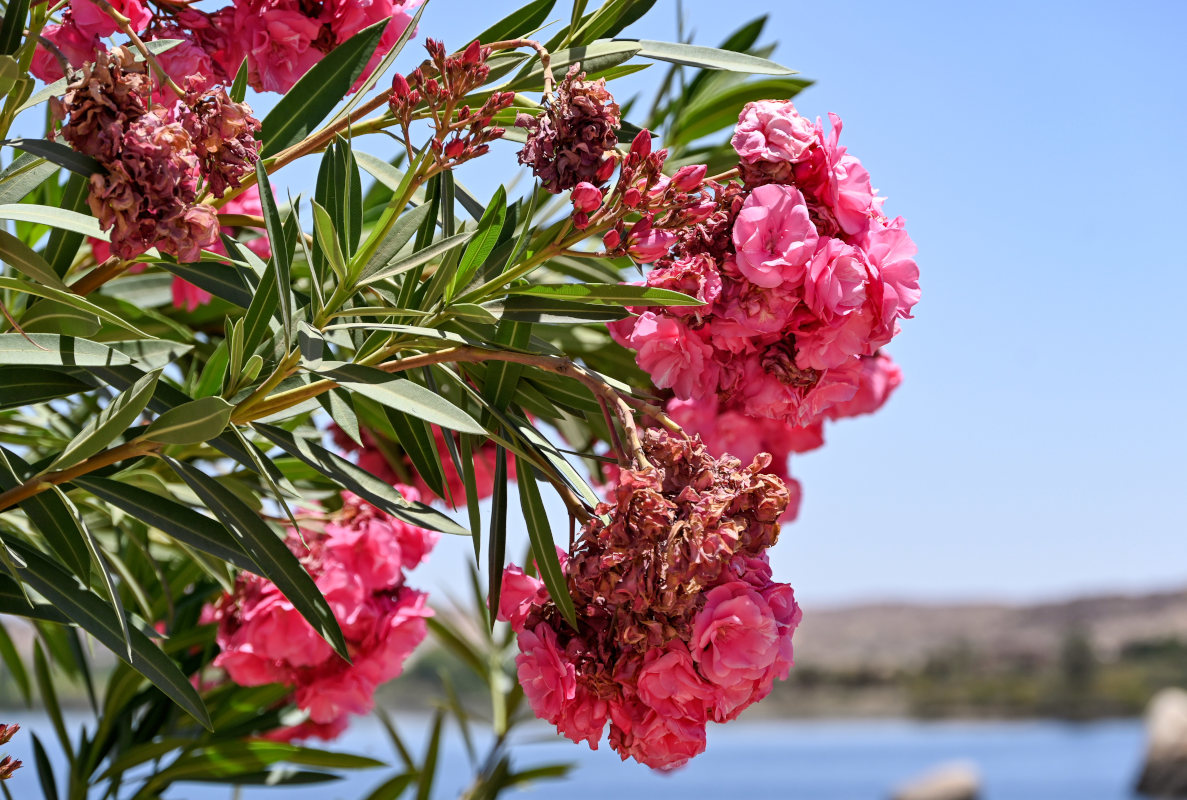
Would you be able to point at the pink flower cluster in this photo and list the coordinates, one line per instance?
(803, 281)
(358, 559)
(678, 620)
(281, 39)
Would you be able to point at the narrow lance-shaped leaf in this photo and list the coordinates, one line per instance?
(183, 524)
(496, 551)
(49, 516)
(113, 420)
(26, 260)
(416, 259)
(281, 260)
(96, 618)
(72, 300)
(485, 238)
(375, 491)
(694, 55)
(62, 218)
(540, 534)
(59, 154)
(401, 394)
(276, 561)
(191, 423)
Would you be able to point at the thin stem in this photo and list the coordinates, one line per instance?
(111, 268)
(545, 58)
(38, 484)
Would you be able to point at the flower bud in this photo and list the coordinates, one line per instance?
(641, 146)
(586, 197)
(454, 148)
(611, 240)
(400, 87)
(632, 197)
(689, 178)
(473, 54)
(605, 170)
(580, 220)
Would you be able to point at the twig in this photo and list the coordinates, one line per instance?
(126, 26)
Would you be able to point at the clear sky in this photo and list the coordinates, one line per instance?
(1036, 447)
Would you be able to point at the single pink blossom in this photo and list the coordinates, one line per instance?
(519, 593)
(75, 45)
(674, 356)
(547, 679)
(94, 21)
(735, 636)
(772, 130)
(773, 236)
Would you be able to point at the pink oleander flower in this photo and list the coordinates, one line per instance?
(660, 741)
(348, 17)
(674, 356)
(76, 46)
(773, 131)
(188, 64)
(677, 529)
(771, 384)
(774, 236)
(519, 593)
(358, 558)
(547, 679)
(696, 276)
(836, 281)
(735, 637)
(880, 376)
(279, 45)
(94, 21)
(891, 252)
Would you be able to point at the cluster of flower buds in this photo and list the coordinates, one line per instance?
(358, 559)
(803, 281)
(657, 206)
(153, 156)
(573, 138)
(8, 764)
(440, 85)
(678, 620)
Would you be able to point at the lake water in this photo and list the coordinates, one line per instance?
(757, 760)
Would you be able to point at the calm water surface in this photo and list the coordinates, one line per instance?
(757, 760)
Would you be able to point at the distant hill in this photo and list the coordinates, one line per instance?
(889, 636)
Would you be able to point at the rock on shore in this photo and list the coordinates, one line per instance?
(1165, 771)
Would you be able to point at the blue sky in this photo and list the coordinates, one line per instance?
(1036, 447)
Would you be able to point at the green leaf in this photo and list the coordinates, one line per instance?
(192, 423)
(428, 770)
(617, 293)
(543, 547)
(693, 55)
(327, 240)
(49, 516)
(479, 249)
(521, 22)
(91, 614)
(112, 421)
(594, 57)
(61, 218)
(13, 29)
(239, 86)
(303, 107)
(25, 260)
(219, 279)
(389, 249)
(393, 788)
(72, 300)
(553, 311)
(23, 175)
(183, 524)
(47, 316)
(281, 262)
(379, 493)
(496, 552)
(401, 394)
(15, 664)
(422, 256)
(59, 154)
(276, 561)
(717, 108)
